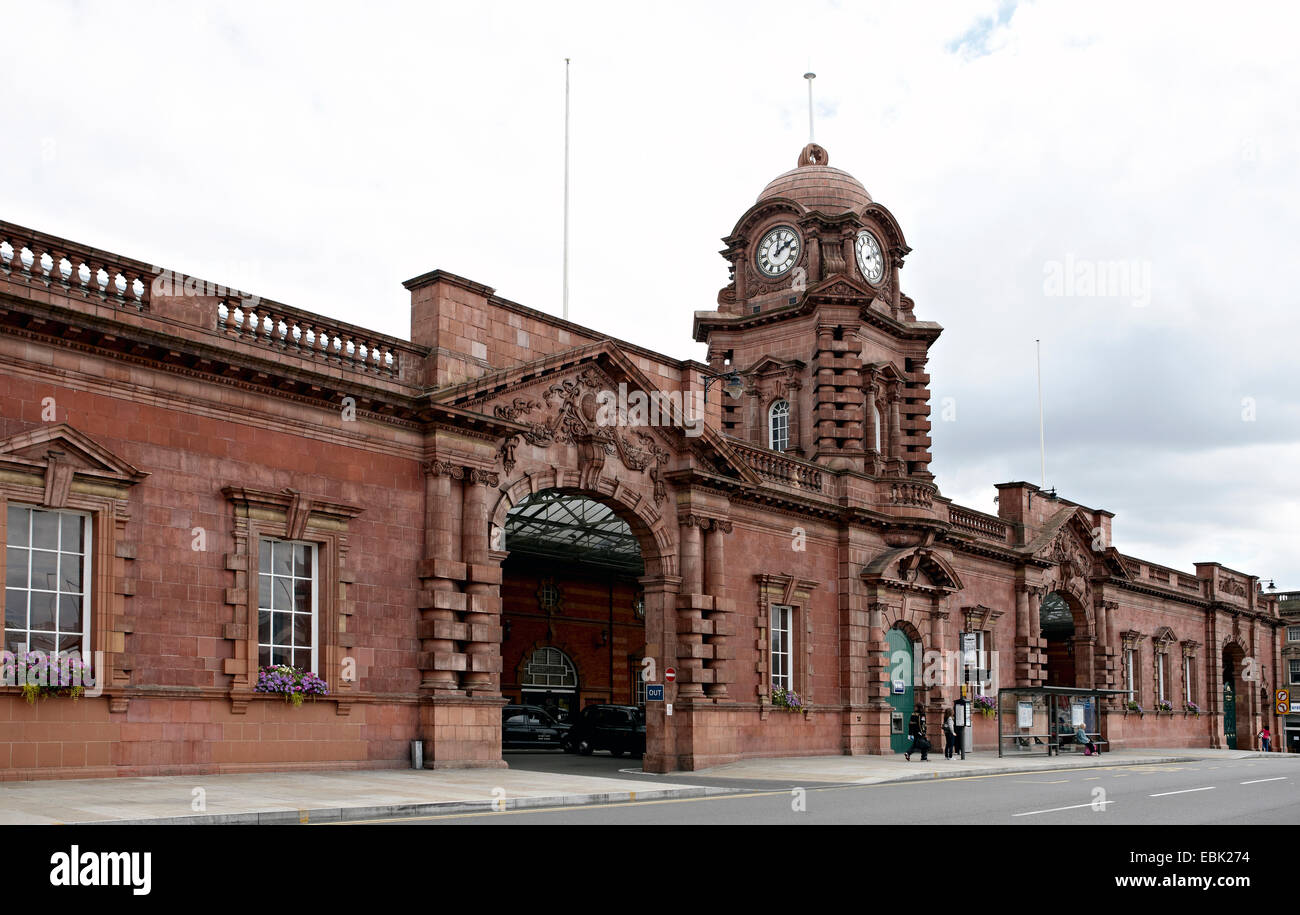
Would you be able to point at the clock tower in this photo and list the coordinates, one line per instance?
(815, 323)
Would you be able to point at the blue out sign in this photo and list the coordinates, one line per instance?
(654, 692)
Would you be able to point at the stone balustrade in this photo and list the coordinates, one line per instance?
(36, 258)
(306, 335)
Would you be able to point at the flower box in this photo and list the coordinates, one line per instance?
(296, 685)
(787, 699)
(39, 675)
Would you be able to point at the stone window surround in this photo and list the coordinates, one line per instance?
(1161, 643)
(96, 483)
(785, 590)
(288, 515)
(1129, 642)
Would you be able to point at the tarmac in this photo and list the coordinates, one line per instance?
(352, 795)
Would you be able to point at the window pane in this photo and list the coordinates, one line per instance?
(281, 628)
(264, 627)
(71, 534)
(15, 609)
(283, 588)
(42, 610)
(70, 641)
(264, 592)
(70, 614)
(264, 556)
(280, 655)
(302, 629)
(45, 570)
(15, 641)
(45, 530)
(42, 641)
(18, 519)
(263, 656)
(302, 595)
(282, 561)
(16, 568)
(70, 572)
(302, 560)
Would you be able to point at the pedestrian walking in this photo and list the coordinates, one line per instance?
(1265, 738)
(916, 731)
(949, 734)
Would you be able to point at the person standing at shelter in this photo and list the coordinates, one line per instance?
(949, 734)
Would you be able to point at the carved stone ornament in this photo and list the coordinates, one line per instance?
(572, 420)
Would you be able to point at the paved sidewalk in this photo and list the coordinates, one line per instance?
(302, 797)
(870, 770)
(294, 797)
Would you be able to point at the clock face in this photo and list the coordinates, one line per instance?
(778, 251)
(871, 261)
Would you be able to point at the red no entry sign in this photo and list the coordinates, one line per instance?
(670, 674)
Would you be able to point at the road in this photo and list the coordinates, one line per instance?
(1242, 792)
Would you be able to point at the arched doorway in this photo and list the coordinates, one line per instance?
(902, 695)
(573, 612)
(1232, 657)
(550, 679)
(1056, 622)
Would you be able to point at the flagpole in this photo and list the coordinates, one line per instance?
(566, 189)
(1042, 441)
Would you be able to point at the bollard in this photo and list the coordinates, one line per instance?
(417, 754)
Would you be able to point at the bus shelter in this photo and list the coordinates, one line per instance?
(1042, 719)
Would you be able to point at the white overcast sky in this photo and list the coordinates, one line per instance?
(319, 154)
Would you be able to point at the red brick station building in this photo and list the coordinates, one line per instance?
(197, 482)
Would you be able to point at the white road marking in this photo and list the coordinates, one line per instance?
(1256, 781)
(1184, 791)
(1030, 813)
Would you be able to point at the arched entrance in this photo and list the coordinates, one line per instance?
(1232, 658)
(1056, 622)
(902, 695)
(572, 605)
(550, 679)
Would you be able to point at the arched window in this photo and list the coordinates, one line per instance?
(550, 668)
(778, 425)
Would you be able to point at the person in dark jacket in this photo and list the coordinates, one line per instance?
(949, 734)
(916, 730)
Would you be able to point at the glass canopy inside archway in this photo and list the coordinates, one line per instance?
(1055, 617)
(554, 525)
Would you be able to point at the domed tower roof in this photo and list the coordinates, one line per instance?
(817, 186)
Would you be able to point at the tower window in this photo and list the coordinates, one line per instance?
(778, 425)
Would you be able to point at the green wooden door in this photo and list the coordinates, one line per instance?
(901, 704)
(1230, 709)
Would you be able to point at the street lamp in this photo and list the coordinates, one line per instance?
(732, 384)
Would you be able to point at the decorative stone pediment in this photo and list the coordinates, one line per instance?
(58, 458)
(597, 400)
(916, 568)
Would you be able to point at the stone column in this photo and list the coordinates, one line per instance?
(1022, 635)
(483, 590)
(440, 659)
(715, 568)
(691, 604)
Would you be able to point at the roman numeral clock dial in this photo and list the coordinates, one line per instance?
(778, 251)
(871, 260)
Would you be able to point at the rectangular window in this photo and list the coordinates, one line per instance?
(1162, 675)
(286, 604)
(1295, 670)
(1128, 675)
(1189, 680)
(47, 580)
(638, 682)
(1293, 633)
(782, 648)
